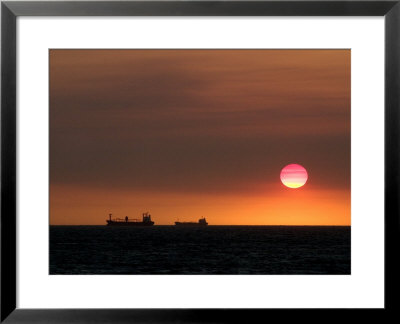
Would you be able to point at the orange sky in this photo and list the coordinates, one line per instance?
(191, 133)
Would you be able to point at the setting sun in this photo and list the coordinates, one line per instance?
(294, 176)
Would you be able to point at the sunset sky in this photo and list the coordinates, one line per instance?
(190, 133)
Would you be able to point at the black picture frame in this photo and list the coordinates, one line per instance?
(10, 10)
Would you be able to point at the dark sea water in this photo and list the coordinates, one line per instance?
(209, 250)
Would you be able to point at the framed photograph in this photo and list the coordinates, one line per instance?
(198, 161)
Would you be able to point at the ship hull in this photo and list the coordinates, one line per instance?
(130, 224)
(190, 224)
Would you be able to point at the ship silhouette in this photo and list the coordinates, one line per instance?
(146, 221)
(201, 222)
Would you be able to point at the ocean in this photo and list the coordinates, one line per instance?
(192, 251)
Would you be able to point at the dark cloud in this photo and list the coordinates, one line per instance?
(198, 120)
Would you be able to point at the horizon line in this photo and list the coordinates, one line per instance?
(209, 225)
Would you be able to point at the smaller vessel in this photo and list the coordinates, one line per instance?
(201, 222)
(146, 221)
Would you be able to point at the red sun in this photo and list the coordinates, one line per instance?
(294, 176)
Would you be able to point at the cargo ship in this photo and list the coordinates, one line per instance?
(201, 222)
(146, 221)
